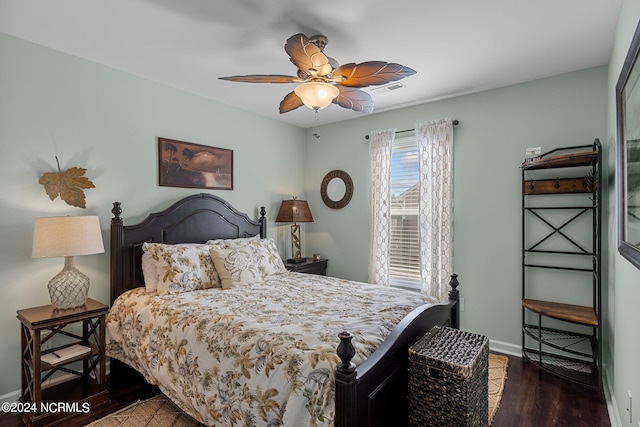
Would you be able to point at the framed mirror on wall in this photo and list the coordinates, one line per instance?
(336, 189)
(628, 154)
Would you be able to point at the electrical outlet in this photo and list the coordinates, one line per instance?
(532, 151)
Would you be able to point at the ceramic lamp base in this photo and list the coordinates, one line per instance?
(69, 288)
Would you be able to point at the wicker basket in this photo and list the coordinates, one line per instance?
(448, 379)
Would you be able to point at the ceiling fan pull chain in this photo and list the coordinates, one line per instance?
(317, 132)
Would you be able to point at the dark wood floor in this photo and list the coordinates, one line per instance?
(531, 400)
(527, 401)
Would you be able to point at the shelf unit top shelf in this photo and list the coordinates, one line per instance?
(584, 158)
(568, 312)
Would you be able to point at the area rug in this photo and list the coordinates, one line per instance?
(159, 411)
(497, 376)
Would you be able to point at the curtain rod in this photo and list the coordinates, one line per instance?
(455, 123)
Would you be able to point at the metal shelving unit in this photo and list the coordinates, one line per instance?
(561, 322)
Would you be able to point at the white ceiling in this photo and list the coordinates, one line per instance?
(456, 46)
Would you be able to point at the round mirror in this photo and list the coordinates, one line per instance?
(336, 189)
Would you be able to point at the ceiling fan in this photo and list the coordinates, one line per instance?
(323, 81)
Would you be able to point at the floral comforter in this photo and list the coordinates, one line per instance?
(257, 355)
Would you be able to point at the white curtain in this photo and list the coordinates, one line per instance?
(380, 161)
(435, 152)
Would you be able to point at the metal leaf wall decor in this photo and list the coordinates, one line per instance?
(69, 185)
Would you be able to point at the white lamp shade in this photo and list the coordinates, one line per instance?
(66, 236)
(316, 95)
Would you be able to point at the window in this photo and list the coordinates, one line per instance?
(411, 240)
(404, 242)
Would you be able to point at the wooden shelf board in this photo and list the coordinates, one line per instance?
(567, 312)
(559, 186)
(585, 158)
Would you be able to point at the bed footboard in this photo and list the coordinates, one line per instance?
(375, 394)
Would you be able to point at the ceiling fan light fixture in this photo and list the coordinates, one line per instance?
(316, 95)
(323, 81)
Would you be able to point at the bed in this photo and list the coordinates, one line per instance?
(349, 371)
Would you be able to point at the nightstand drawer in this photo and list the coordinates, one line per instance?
(309, 266)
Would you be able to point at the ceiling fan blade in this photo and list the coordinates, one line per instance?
(307, 56)
(263, 78)
(370, 73)
(354, 99)
(290, 103)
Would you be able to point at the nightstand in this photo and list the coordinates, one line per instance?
(308, 266)
(80, 395)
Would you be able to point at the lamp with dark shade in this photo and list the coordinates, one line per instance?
(67, 236)
(295, 211)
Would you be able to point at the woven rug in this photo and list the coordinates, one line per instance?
(159, 411)
(497, 376)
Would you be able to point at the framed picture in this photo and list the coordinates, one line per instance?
(628, 157)
(184, 164)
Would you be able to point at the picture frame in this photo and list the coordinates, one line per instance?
(628, 154)
(188, 165)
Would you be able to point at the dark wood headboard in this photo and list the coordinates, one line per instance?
(194, 219)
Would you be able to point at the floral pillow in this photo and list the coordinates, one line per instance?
(236, 267)
(183, 267)
(265, 254)
(224, 242)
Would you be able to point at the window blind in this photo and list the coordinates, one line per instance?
(404, 251)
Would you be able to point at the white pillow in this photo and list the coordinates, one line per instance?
(236, 267)
(183, 267)
(149, 272)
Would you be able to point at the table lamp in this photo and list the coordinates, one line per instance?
(67, 236)
(295, 211)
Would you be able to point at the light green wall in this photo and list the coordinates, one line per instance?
(624, 279)
(489, 145)
(107, 121)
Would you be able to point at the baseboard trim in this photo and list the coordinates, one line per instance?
(506, 348)
(12, 396)
(610, 398)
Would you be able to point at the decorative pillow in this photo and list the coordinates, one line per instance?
(183, 267)
(272, 262)
(265, 254)
(236, 267)
(149, 272)
(224, 242)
